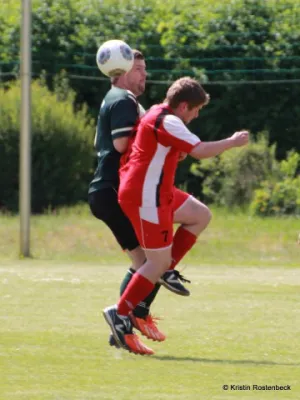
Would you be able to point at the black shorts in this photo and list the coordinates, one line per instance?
(104, 206)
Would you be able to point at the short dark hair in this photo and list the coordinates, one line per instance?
(186, 90)
(138, 55)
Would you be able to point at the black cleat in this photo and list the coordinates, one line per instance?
(112, 342)
(121, 329)
(172, 279)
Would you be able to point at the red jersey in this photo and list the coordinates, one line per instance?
(147, 178)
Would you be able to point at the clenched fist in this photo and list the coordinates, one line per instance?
(240, 138)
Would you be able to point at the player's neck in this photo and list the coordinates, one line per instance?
(122, 84)
(180, 111)
(177, 112)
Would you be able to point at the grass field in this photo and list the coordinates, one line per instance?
(241, 326)
(231, 239)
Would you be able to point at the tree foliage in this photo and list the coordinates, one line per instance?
(245, 52)
(62, 147)
(231, 41)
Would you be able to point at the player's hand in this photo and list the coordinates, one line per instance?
(240, 138)
(182, 156)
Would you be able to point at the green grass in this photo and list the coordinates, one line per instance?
(231, 239)
(241, 326)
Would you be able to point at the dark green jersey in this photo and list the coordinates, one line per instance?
(118, 114)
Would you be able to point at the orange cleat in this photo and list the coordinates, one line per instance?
(148, 327)
(134, 345)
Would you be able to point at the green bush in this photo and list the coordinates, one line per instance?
(62, 147)
(231, 178)
(282, 197)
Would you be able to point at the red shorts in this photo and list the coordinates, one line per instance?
(154, 225)
(179, 197)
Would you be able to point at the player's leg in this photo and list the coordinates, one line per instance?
(193, 217)
(192, 214)
(157, 239)
(141, 317)
(172, 279)
(139, 287)
(104, 206)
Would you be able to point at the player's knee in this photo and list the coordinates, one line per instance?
(204, 215)
(137, 257)
(208, 215)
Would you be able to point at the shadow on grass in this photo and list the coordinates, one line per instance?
(212, 361)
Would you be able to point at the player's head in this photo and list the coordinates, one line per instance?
(135, 79)
(186, 97)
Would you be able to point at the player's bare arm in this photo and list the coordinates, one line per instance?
(121, 144)
(212, 149)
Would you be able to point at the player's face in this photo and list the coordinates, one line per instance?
(189, 114)
(136, 77)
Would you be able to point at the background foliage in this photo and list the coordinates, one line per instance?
(62, 155)
(282, 196)
(245, 52)
(231, 178)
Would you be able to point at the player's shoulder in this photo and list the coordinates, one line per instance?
(117, 94)
(154, 110)
(157, 112)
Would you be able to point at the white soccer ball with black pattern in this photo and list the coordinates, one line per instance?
(114, 58)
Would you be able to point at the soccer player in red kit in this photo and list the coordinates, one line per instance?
(147, 196)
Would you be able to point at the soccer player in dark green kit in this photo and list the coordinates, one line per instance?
(118, 116)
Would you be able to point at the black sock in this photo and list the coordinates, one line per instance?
(143, 308)
(126, 280)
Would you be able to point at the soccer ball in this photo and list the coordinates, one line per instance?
(114, 58)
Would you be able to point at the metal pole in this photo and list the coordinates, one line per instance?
(25, 131)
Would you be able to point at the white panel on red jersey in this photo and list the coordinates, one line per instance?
(177, 129)
(149, 214)
(153, 175)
